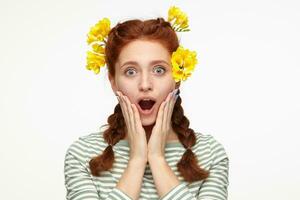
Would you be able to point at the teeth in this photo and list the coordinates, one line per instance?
(145, 100)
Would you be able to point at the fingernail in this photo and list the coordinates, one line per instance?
(175, 92)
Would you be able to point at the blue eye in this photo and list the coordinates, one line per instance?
(160, 69)
(129, 70)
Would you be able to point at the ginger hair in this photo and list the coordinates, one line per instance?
(154, 30)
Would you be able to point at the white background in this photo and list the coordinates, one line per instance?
(244, 92)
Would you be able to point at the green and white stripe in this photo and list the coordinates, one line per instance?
(82, 185)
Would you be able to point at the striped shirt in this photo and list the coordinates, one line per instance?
(82, 185)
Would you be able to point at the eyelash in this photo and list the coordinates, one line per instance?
(155, 68)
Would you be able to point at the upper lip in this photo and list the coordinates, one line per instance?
(146, 97)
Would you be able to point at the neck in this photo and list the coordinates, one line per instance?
(148, 130)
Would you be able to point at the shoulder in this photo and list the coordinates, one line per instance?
(209, 145)
(87, 146)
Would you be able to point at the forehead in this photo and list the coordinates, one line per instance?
(143, 51)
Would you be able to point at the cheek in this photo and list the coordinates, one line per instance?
(127, 90)
(165, 92)
(124, 86)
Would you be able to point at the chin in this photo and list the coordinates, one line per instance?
(147, 122)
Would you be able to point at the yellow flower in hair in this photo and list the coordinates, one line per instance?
(178, 19)
(183, 63)
(98, 48)
(99, 32)
(95, 61)
(97, 37)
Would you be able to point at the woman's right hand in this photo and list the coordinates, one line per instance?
(135, 131)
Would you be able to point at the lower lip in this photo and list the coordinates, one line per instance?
(146, 112)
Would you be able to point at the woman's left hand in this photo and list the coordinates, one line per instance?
(162, 127)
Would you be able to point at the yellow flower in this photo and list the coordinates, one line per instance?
(99, 32)
(97, 37)
(173, 12)
(98, 48)
(183, 63)
(181, 20)
(95, 61)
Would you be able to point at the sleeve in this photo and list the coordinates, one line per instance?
(214, 187)
(179, 192)
(79, 183)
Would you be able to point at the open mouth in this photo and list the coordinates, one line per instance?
(146, 104)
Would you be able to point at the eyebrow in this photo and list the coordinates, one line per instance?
(151, 63)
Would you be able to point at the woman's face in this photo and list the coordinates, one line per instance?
(144, 71)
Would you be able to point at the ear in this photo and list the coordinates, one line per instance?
(112, 83)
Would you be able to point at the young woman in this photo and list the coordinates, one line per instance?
(147, 150)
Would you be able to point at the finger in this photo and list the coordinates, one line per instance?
(166, 111)
(134, 114)
(121, 102)
(130, 114)
(125, 113)
(138, 122)
(159, 118)
(129, 124)
(171, 109)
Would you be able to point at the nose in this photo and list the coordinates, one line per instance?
(145, 83)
